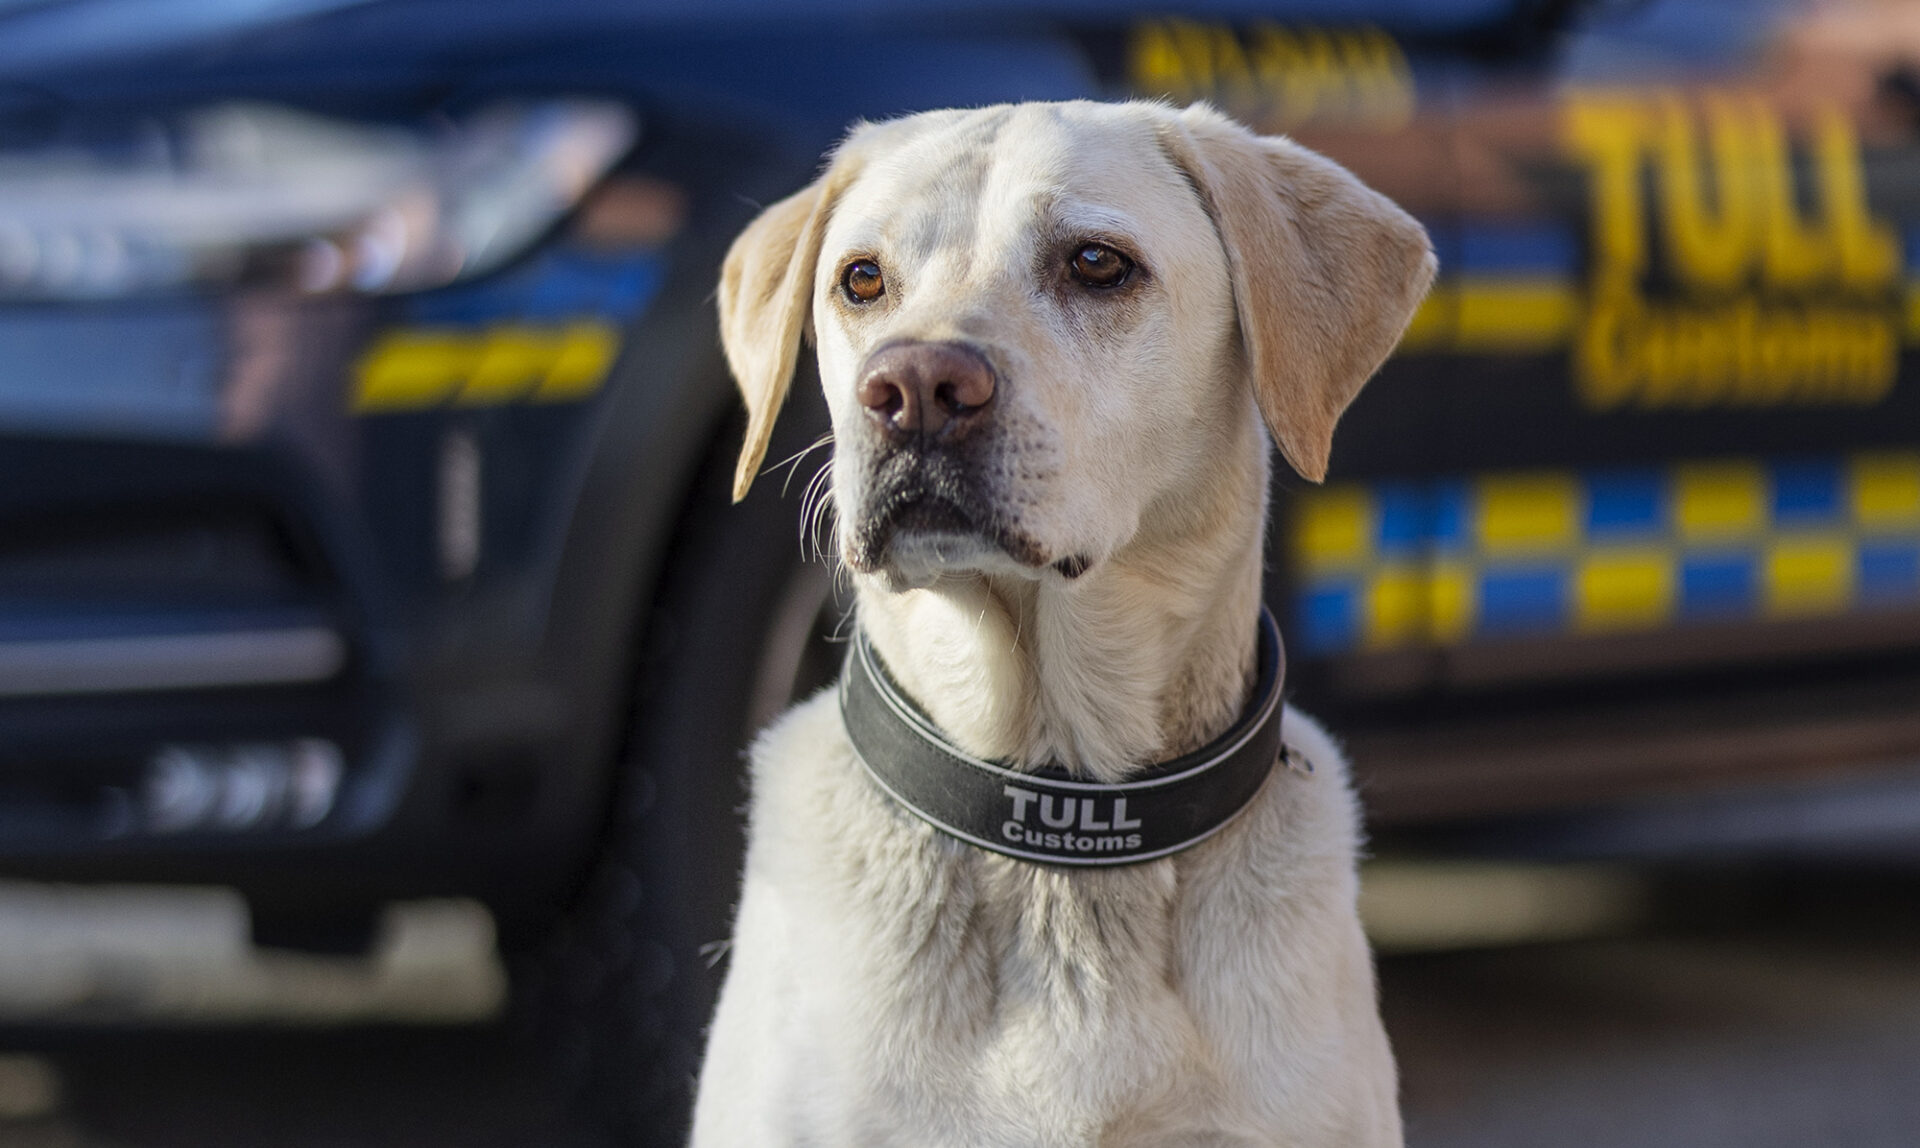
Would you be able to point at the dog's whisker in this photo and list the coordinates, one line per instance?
(816, 506)
(842, 581)
(792, 461)
(841, 588)
(825, 514)
(815, 502)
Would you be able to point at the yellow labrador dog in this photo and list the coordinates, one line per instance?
(1051, 336)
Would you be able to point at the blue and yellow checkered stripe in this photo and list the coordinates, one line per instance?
(1397, 564)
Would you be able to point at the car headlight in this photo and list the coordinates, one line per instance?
(244, 193)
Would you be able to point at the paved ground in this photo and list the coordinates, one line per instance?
(1702, 1043)
(1745, 1013)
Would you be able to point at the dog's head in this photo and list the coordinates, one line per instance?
(1037, 323)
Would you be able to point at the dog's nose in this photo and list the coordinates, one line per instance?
(926, 389)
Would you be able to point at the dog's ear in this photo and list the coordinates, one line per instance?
(1326, 272)
(766, 294)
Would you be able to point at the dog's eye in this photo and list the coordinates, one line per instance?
(862, 281)
(1097, 265)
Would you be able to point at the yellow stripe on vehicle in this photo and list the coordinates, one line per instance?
(585, 357)
(1335, 528)
(1628, 589)
(1528, 513)
(1807, 575)
(1885, 489)
(1486, 314)
(1450, 601)
(410, 370)
(418, 369)
(1396, 606)
(1719, 500)
(507, 365)
(1514, 315)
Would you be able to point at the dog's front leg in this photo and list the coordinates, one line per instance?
(743, 1100)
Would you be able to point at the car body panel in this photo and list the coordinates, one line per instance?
(1535, 578)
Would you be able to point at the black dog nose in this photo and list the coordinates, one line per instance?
(920, 390)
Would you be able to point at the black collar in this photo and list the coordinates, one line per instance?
(1046, 815)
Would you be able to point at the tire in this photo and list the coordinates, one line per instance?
(625, 987)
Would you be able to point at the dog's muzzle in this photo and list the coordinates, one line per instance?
(930, 408)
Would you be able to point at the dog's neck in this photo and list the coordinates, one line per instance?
(1147, 655)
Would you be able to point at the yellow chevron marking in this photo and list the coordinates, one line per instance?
(586, 354)
(412, 370)
(506, 365)
(408, 370)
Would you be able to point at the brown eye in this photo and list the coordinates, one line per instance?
(1098, 265)
(862, 281)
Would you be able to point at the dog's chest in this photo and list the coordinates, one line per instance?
(941, 980)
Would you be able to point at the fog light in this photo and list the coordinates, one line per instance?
(239, 788)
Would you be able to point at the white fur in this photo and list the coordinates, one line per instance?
(890, 986)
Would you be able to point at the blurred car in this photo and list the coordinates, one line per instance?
(364, 438)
